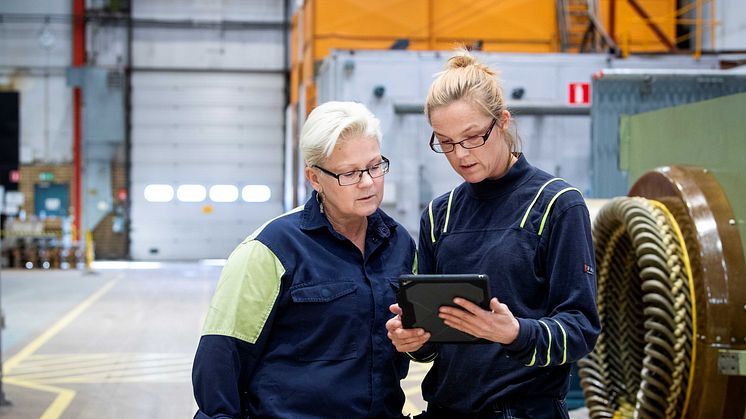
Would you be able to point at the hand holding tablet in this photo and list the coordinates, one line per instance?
(420, 297)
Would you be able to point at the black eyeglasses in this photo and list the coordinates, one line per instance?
(355, 176)
(471, 142)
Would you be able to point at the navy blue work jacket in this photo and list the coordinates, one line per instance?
(530, 232)
(296, 328)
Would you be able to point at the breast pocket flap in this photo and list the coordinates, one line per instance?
(322, 293)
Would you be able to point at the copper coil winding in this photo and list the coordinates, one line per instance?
(641, 362)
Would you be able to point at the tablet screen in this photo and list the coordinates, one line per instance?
(420, 297)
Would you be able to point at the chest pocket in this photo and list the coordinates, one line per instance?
(325, 315)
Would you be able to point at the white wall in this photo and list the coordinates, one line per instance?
(560, 145)
(33, 59)
(730, 31)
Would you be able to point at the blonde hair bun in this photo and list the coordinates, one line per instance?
(462, 58)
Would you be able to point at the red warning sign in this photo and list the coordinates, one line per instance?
(580, 94)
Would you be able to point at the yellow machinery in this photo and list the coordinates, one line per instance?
(635, 26)
(536, 26)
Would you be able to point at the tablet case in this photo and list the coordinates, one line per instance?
(420, 297)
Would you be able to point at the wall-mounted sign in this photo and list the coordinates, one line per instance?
(580, 93)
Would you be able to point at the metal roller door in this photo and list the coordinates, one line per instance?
(201, 128)
(207, 108)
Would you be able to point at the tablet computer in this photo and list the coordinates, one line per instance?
(420, 297)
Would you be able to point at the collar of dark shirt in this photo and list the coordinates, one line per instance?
(379, 223)
(516, 176)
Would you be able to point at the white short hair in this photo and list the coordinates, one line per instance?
(331, 122)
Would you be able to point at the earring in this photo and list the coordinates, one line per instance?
(320, 200)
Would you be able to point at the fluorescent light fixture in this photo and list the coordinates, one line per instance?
(256, 193)
(159, 193)
(191, 193)
(223, 193)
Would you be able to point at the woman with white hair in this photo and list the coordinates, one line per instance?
(296, 326)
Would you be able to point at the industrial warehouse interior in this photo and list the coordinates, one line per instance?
(143, 142)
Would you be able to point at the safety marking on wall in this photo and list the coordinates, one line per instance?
(103, 368)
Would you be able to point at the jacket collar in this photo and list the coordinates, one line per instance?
(379, 223)
(519, 173)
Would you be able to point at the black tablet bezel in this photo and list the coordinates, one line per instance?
(447, 287)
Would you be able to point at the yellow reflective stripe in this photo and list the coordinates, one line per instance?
(564, 342)
(549, 207)
(549, 345)
(528, 210)
(533, 359)
(425, 360)
(432, 224)
(448, 211)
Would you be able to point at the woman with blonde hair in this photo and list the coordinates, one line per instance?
(530, 233)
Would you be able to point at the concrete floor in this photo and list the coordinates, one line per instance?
(115, 343)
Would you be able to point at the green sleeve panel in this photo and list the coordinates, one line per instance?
(248, 288)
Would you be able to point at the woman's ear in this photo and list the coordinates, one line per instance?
(504, 120)
(313, 178)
